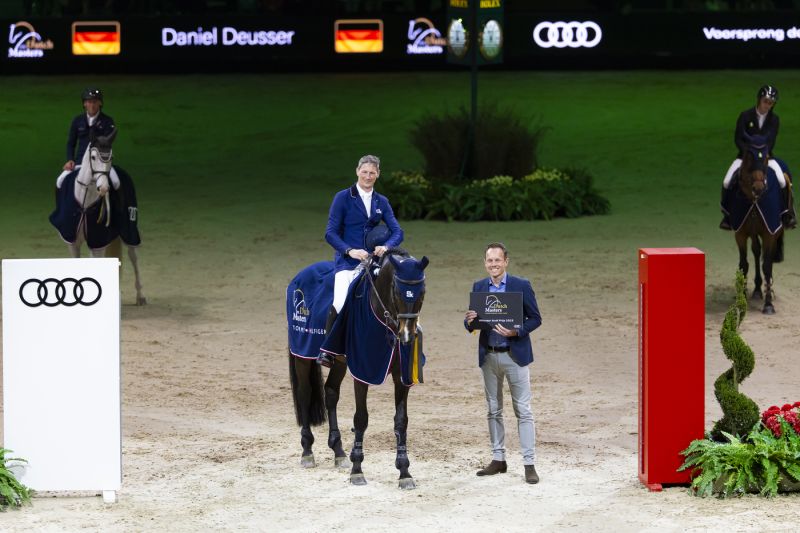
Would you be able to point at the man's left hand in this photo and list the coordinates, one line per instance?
(505, 332)
(380, 250)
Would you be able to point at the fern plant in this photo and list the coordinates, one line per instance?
(12, 492)
(761, 463)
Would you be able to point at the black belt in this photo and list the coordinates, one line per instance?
(498, 349)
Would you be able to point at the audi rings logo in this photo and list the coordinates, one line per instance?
(567, 34)
(68, 292)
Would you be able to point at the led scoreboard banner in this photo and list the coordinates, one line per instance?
(413, 41)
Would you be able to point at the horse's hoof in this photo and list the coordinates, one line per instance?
(768, 310)
(307, 461)
(358, 479)
(407, 483)
(757, 295)
(141, 300)
(341, 462)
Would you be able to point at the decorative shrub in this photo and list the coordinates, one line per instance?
(740, 413)
(744, 452)
(12, 492)
(544, 194)
(505, 144)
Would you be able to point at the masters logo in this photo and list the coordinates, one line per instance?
(424, 38)
(494, 305)
(301, 312)
(24, 41)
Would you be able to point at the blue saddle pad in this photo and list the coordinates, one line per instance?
(309, 296)
(769, 207)
(68, 213)
(361, 334)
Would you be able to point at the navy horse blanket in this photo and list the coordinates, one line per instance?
(124, 214)
(309, 296)
(358, 333)
(769, 206)
(369, 343)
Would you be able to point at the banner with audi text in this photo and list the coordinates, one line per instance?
(393, 41)
(61, 372)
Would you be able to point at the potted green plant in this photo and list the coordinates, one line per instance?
(12, 493)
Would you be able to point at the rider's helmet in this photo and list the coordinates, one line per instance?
(768, 91)
(377, 236)
(92, 93)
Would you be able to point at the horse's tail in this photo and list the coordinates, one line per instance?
(779, 249)
(316, 407)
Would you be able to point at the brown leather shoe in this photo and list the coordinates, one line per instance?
(495, 467)
(530, 475)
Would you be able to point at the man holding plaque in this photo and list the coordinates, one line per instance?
(504, 353)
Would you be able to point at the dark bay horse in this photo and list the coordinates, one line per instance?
(395, 297)
(760, 198)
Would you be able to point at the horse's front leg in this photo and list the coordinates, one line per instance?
(741, 244)
(757, 294)
(360, 423)
(769, 253)
(332, 387)
(401, 427)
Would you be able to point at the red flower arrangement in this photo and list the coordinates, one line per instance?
(791, 413)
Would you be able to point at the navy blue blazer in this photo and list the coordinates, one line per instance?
(747, 123)
(520, 346)
(80, 130)
(348, 225)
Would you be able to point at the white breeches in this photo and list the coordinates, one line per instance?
(738, 163)
(341, 282)
(113, 175)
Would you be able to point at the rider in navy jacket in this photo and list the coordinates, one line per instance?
(348, 225)
(759, 121)
(349, 222)
(80, 129)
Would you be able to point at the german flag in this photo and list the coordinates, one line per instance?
(358, 36)
(95, 38)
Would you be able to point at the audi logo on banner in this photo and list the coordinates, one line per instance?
(567, 34)
(68, 292)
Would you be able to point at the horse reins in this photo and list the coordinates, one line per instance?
(395, 324)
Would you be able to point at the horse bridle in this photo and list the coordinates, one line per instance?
(394, 324)
(106, 173)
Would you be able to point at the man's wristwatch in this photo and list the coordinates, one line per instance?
(347, 252)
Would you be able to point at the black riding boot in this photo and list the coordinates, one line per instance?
(726, 222)
(324, 358)
(789, 218)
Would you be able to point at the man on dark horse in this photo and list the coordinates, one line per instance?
(355, 213)
(761, 122)
(92, 123)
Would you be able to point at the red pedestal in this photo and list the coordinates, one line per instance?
(671, 361)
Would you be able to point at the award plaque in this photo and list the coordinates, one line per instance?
(504, 308)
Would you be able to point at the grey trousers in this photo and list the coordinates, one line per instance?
(496, 368)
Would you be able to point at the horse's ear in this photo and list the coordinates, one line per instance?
(111, 136)
(423, 262)
(395, 262)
